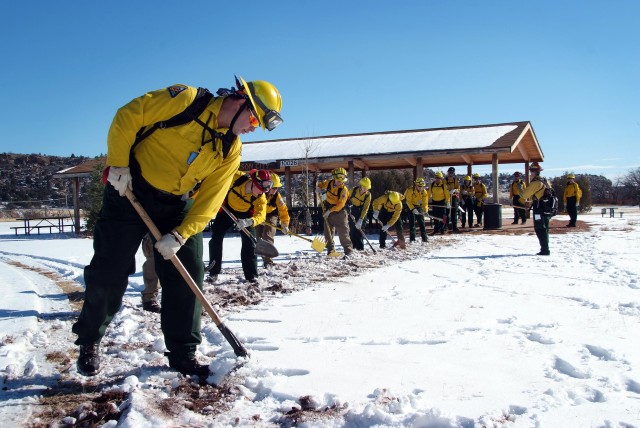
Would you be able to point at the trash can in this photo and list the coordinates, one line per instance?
(492, 216)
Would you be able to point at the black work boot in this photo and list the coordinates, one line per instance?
(89, 360)
(151, 306)
(188, 366)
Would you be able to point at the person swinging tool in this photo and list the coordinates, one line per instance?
(335, 195)
(276, 209)
(387, 209)
(416, 199)
(160, 154)
(360, 201)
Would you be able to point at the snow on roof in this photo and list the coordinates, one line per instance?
(378, 143)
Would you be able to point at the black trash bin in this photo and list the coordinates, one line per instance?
(492, 216)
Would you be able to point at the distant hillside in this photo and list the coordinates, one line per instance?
(26, 181)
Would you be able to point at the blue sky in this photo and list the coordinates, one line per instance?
(569, 67)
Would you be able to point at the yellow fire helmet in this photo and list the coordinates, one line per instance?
(366, 183)
(394, 197)
(276, 180)
(265, 100)
(476, 175)
(467, 178)
(339, 174)
(420, 182)
(571, 176)
(439, 174)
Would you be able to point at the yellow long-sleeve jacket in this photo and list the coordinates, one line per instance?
(572, 190)
(534, 191)
(163, 156)
(417, 198)
(276, 202)
(358, 199)
(383, 202)
(480, 191)
(516, 188)
(242, 202)
(439, 193)
(337, 196)
(452, 183)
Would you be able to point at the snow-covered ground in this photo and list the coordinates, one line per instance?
(469, 330)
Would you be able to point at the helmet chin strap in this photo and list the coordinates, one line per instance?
(230, 135)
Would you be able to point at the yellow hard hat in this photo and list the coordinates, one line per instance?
(276, 180)
(394, 197)
(365, 182)
(476, 175)
(339, 174)
(265, 101)
(571, 176)
(467, 178)
(420, 182)
(439, 174)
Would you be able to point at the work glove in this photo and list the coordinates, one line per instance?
(326, 214)
(169, 244)
(285, 229)
(376, 214)
(244, 223)
(415, 211)
(359, 224)
(120, 178)
(386, 227)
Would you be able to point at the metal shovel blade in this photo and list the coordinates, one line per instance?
(318, 243)
(267, 249)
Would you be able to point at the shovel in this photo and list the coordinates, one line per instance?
(238, 348)
(263, 248)
(317, 243)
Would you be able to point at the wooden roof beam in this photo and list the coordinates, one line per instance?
(411, 161)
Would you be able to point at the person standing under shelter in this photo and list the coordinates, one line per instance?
(515, 190)
(416, 199)
(334, 194)
(452, 183)
(276, 209)
(387, 210)
(479, 195)
(246, 201)
(535, 192)
(161, 162)
(360, 201)
(466, 201)
(440, 203)
(572, 195)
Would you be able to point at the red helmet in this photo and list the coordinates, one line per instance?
(262, 179)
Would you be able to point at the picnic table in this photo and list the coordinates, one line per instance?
(55, 224)
(612, 211)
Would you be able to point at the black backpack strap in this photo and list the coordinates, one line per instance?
(191, 113)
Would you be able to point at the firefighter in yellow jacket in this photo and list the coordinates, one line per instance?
(246, 200)
(387, 209)
(276, 209)
(416, 198)
(534, 193)
(452, 183)
(334, 195)
(515, 190)
(359, 201)
(479, 195)
(572, 195)
(161, 161)
(440, 202)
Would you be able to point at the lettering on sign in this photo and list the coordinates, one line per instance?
(292, 162)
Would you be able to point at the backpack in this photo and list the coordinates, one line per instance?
(548, 203)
